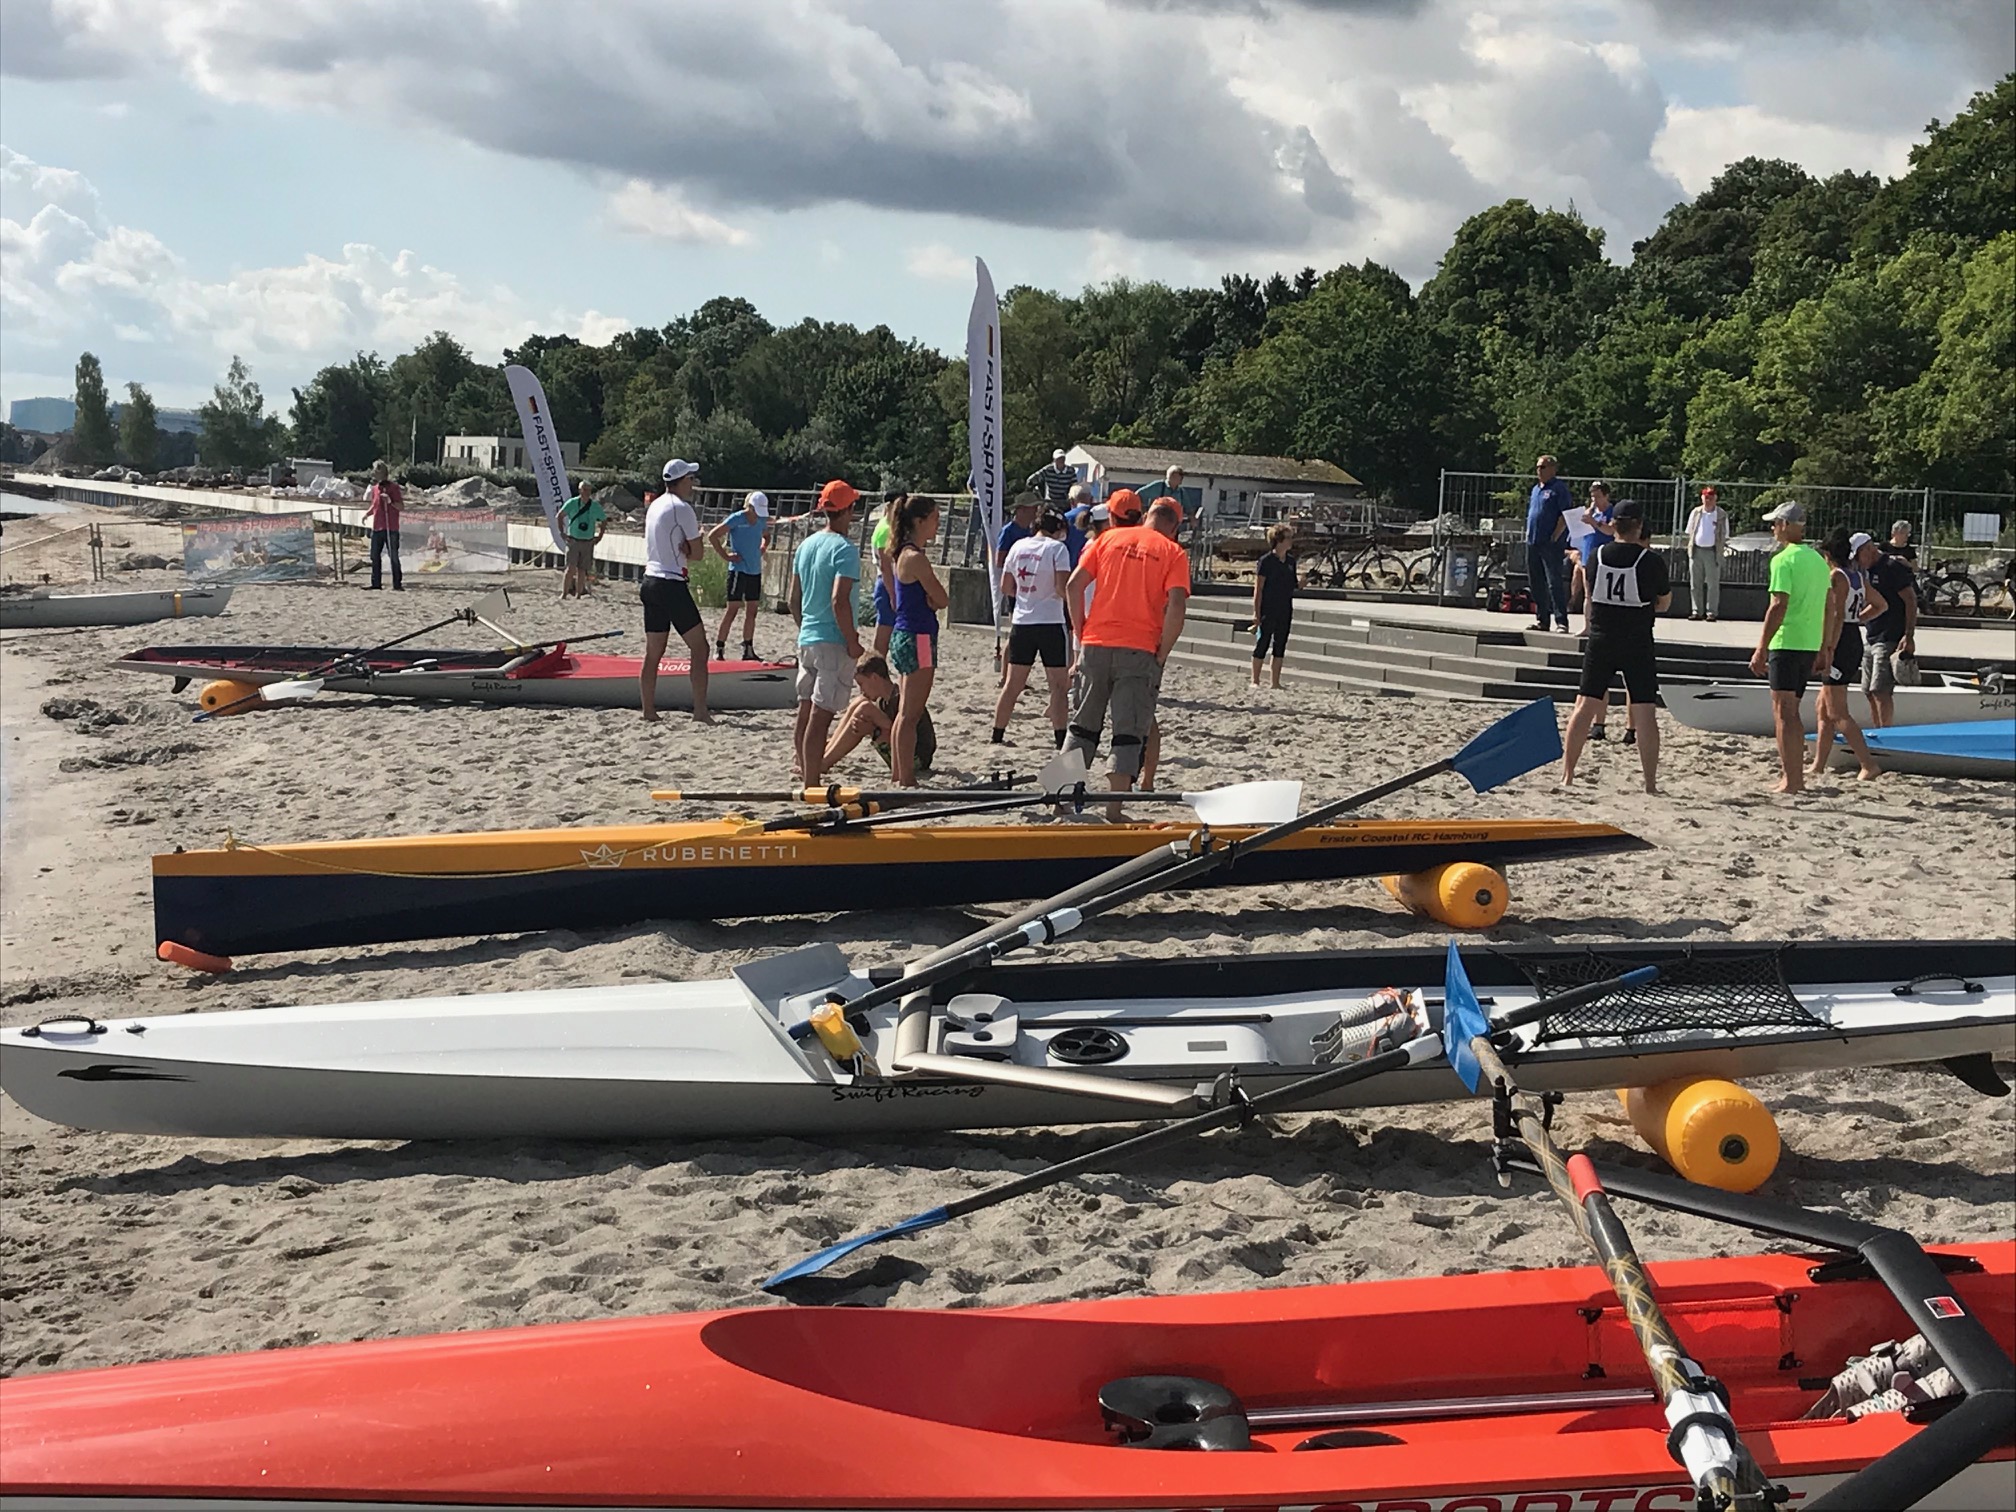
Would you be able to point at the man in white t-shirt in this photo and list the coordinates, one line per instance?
(1707, 535)
(672, 540)
(1034, 574)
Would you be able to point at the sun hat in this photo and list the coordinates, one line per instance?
(678, 468)
(760, 502)
(1124, 505)
(836, 497)
(1792, 512)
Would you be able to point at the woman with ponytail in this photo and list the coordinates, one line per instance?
(913, 647)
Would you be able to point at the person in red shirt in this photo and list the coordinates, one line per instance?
(381, 513)
(1126, 599)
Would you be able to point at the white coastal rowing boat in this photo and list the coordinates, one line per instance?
(733, 1058)
(1745, 708)
(41, 609)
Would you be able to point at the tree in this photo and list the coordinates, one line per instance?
(1962, 180)
(139, 434)
(237, 431)
(91, 432)
(1698, 261)
(1955, 425)
(336, 416)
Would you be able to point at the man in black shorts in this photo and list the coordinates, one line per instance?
(1629, 587)
(1033, 576)
(671, 542)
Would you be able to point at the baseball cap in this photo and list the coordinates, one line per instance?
(837, 496)
(678, 468)
(1101, 515)
(1858, 540)
(1627, 509)
(1791, 512)
(761, 503)
(1124, 505)
(1057, 455)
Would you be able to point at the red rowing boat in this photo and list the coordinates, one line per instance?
(1521, 1392)
(552, 677)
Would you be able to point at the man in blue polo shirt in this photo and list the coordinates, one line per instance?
(1546, 541)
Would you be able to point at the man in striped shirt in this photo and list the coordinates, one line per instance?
(1054, 482)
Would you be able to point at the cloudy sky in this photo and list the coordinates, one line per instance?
(295, 180)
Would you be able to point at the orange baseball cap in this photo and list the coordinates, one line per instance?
(1124, 504)
(836, 496)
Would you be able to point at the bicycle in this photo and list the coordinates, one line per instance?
(1947, 588)
(1368, 566)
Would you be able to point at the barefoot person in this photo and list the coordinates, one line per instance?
(872, 717)
(1628, 588)
(1034, 577)
(1125, 636)
(671, 542)
(1273, 600)
(740, 541)
(913, 648)
(1791, 636)
(823, 574)
(1851, 599)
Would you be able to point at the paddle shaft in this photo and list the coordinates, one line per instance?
(1731, 1474)
(339, 662)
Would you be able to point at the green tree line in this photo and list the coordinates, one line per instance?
(1776, 327)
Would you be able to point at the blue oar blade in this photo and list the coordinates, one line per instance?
(1515, 745)
(1462, 1020)
(811, 1265)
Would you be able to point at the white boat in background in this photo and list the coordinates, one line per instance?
(1008, 1046)
(47, 609)
(1745, 708)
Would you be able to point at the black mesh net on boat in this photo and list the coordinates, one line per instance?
(1734, 994)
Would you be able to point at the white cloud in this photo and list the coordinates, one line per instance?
(935, 260)
(645, 209)
(70, 277)
(1695, 145)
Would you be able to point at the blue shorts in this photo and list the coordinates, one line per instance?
(885, 611)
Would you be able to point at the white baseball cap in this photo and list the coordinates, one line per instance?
(1057, 455)
(1857, 541)
(678, 468)
(760, 502)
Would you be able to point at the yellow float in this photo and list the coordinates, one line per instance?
(217, 696)
(1465, 894)
(1709, 1130)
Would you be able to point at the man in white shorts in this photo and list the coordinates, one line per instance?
(823, 574)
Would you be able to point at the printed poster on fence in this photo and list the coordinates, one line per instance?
(454, 540)
(250, 549)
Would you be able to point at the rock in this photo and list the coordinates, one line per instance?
(141, 561)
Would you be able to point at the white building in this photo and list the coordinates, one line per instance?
(1222, 485)
(493, 452)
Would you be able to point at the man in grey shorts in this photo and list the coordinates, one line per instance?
(1892, 633)
(1142, 582)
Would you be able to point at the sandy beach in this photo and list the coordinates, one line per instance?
(118, 1248)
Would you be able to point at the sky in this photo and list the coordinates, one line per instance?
(298, 180)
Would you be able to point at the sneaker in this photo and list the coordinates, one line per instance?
(1537, 625)
(1597, 732)
(748, 652)
(1562, 628)
(720, 650)
(1630, 737)
(1695, 616)
(1711, 619)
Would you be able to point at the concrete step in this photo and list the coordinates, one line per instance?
(1367, 669)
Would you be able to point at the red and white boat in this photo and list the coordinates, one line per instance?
(551, 677)
(1519, 1392)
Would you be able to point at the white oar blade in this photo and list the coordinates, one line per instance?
(296, 690)
(1063, 771)
(493, 605)
(1248, 803)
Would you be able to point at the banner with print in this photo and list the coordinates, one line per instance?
(250, 549)
(983, 416)
(542, 445)
(454, 540)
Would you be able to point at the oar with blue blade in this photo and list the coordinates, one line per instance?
(1240, 1110)
(1704, 1440)
(1528, 737)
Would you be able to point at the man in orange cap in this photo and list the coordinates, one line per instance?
(1125, 634)
(823, 574)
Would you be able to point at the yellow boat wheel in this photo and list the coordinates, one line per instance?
(216, 695)
(1709, 1130)
(1465, 894)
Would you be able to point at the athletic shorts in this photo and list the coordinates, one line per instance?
(1268, 633)
(744, 587)
(1607, 659)
(1123, 682)
(1847, 667)
(1791, 670)
(825, 676)
(668, 605)
(885, 607)
(1027, 642)
(1878, 676)
(912, 651)
(580, 555)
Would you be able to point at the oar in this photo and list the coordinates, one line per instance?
(1238, 803)
(1704, 1439)
(1241, 1109)
(1516, 744)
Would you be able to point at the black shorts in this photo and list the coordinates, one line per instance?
(1027, 642)
(1606, 658)
(1846, 671)
(744, 587)
(1791, 670)
(1270, 632)
(668, 605)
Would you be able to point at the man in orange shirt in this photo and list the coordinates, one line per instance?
(1126, 599)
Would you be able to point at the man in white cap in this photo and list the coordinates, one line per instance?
(1054, 482)
(741, 540)
(671, 541)
(1794, 629)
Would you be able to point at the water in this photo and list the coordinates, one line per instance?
(13, 503)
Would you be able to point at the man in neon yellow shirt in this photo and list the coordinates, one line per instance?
(1788, 645)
